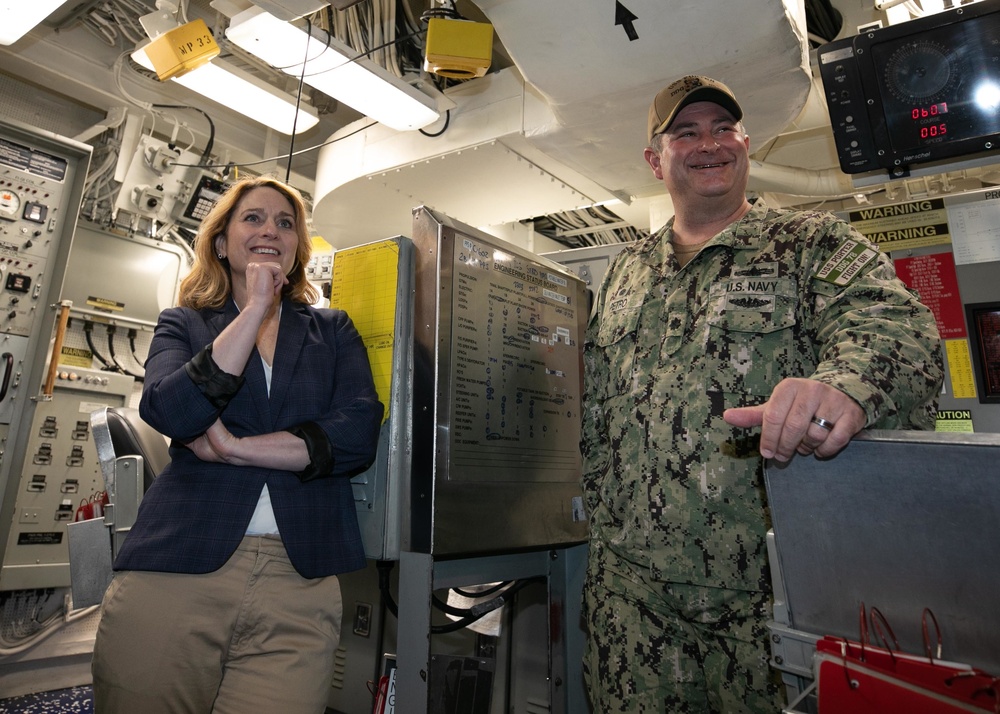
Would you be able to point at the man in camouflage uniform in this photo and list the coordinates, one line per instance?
(733, 316)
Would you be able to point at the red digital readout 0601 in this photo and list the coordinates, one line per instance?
(934, 128)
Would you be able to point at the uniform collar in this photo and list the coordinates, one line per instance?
(745, 233)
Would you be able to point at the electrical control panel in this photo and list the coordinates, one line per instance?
(31, 184)
(42, 178)
(163, 184)
(60, 473)
(917, 93)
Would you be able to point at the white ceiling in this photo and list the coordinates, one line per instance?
(566, 125)
(558, 123)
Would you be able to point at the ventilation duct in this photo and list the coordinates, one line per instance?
(564, 127)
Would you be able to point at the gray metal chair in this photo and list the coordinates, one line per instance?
(131, 454)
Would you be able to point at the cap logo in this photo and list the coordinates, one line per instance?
(682, 92)
(687, 84)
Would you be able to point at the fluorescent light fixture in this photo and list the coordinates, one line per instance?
(20, 16)
(361, 84)
(242, 92)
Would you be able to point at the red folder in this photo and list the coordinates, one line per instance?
(859, 678)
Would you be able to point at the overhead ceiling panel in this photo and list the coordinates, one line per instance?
(513, 188)
(577, 116)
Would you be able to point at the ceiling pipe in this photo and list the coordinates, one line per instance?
(825, 183)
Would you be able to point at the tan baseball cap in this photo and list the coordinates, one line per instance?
(685, 90)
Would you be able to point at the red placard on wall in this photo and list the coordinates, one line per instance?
(933, 277)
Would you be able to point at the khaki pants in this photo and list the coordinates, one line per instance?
(254, 636)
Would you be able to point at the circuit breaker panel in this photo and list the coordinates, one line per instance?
(61, 473)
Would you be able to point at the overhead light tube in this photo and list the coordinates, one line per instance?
(330, 66)
(19, 17)
(242, 92)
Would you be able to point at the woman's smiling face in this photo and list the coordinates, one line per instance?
(261, 229)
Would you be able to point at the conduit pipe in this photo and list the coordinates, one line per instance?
(826, 183)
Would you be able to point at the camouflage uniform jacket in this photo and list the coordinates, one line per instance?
(669, 485)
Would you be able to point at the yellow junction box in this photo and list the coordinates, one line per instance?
(459, 49)
(182, 49)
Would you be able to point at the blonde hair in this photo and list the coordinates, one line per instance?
(209, 285)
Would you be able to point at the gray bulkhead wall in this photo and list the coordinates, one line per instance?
(974, 245)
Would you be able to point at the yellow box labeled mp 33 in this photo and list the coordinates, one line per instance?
(459, 49)
(182, 49)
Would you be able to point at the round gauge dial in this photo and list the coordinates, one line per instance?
(10, 202)
(919, 70)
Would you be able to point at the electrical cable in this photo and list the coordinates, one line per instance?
(123, 22)
(176, 235)
(477, 612)
(482, 593)
(298, 103)
(102, 169)
(449, 609)
(111, 350)
(102, 29)
(411, 52)
(473, 614)
(355, 58)
(447, 121)
(50, 627)
(211, 126)
(823, 20)
(17, 621)
(410, 19)
(282, 156)
(88, 329)
(132, 333)
(116, 72)
(441, 12)
(390, 25)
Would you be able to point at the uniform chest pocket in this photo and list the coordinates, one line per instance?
(618, 324)
(759, 306)
(616, 345)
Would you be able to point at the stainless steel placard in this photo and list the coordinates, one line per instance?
(498, 382)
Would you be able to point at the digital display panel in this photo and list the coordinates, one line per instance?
(941, 85)
(916, 93)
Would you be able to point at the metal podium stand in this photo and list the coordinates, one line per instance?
(420, 575)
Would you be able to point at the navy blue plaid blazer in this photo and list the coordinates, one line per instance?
(195, 513)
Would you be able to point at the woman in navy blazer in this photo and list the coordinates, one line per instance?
(226, 597)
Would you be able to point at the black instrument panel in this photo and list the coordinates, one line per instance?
(916, 93)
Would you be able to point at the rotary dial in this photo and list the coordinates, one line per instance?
(918, 71)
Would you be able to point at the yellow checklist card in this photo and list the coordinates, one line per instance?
(364, 285)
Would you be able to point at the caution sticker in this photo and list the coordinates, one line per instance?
(847, 262)
(105, 304)
(76, 357)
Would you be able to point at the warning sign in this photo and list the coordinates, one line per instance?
(954, 420)
(935, 280)
(916, 224)
(105, 304)
(76, 357)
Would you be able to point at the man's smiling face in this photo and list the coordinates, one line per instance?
(703, 153)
